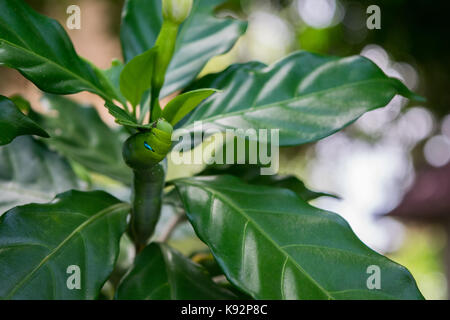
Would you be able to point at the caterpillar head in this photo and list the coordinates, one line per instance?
(145, 149)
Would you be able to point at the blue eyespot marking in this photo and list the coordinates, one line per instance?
(146, 145)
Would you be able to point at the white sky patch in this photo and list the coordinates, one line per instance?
(415, 125)
(437, 151)
(317, 13)
(268, 37)
(374, 121)
(445, 127)
(370, 179)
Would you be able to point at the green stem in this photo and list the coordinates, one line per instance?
(148, 185)
(134, 112)
(144, 110)
(166, 47)
(155, 107)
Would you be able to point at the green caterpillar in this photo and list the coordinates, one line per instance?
(143, 152)
(145, 149)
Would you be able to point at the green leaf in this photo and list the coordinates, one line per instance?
(111, 78)
(38, 242)
(201, 37)
(273, 245)
(123, 118)
(161, 273)
(181, 105)
(29, 172)
(120, 115)
(14, 123)
(136, 77)
(252, 175)
(40, 49)
(21, 103)
(79, 134)
(292, 183)
(306, 96)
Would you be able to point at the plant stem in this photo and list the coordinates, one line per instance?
(166, 47)
(134, 112)
(148, 185)
(155, 107)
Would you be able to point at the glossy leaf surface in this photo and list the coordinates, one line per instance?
(124, 118)
(273, 245)
(201, 37)
(306, 96)
(181, 105)
(119, 114)
(40, 49)
(136, 76)
(161, 273)
(111, 78)
(79, 134)
(39, 242)
(252, 175)
(30, 172)
(14, 123)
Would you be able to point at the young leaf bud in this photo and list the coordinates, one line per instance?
(176, 11)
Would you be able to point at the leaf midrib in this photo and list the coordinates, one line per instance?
(276, 245)
(110, 210)
(75, 75)
(283, 102)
